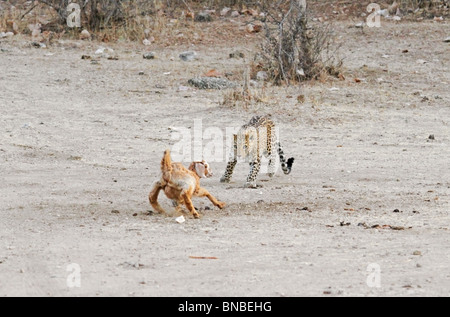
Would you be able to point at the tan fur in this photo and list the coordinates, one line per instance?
(181, 184)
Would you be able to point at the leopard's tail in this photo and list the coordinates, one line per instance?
(286, 166)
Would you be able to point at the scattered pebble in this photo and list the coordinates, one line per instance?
(180, 219)
(262, 75)
(188, 56)
(6, 35)
(203, 17)
(237, 54)
(149, 55)
(85, 35)
(235, 14)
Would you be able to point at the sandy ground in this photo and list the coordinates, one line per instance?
(80, 145)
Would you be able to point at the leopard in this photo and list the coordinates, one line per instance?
(252, 141)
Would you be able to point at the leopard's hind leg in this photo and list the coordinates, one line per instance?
(272, 154)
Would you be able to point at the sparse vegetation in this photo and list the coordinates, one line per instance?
(244, 96)
(293, 49)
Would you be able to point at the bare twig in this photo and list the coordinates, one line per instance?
(28, 11)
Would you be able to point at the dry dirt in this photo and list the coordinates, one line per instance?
(81, 142)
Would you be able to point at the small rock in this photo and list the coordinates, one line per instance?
(384, 13)
(254, 83)
(180, 219)
(141, 73)
(237, 54)
(115, 211)
(38, 45)
(212, 73)
(146, 42)
(6, 35)
(183, 88)
(397, 18)
(421, 61)
(301, 72)
(85, 35)
(262, 75)
(396, 210)
(447, 40)
(431, 137)
(203, 17)
(235, 14)
(106, 52)
(254, 28)
(149, 55)
(225, 11)
(188, 56)
(417, 253)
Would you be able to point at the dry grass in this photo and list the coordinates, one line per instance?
(294, 49)
(244, 96)
(165, 20)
